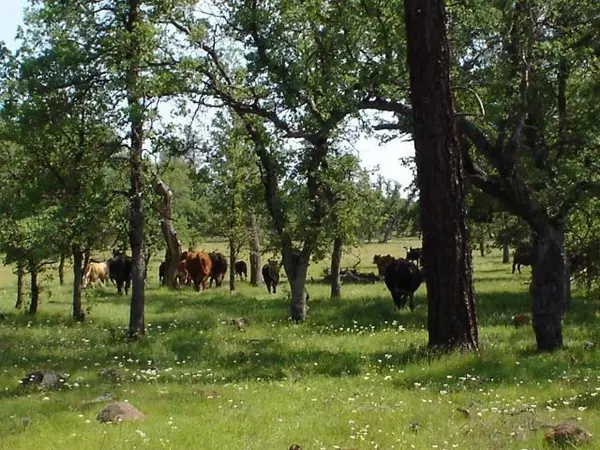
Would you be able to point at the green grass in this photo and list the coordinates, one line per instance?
(355, 375)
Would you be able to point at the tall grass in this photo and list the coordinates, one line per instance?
(357, 374)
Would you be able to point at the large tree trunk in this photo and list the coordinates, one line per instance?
(549, 288)
(505, 253)
(336, 260)
(78, 313)
(136, 120)
(173, 252)
(451, 313)
(296, 268)
(35, 289)
(255, 269)
(20, 283)
(61, 269)
(232, 261)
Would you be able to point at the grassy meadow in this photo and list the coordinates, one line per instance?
(356, 375)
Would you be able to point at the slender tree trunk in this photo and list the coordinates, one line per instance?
(87, 255)
(482, 247)
(451, 307)
(35, 289)
(20, 284)
(549, 288)
(78, 313)
(232, 261)
(505, 253)
(336, 260)
(255, 269)
(136, 120)
(296, 268)
(173, 252)
(61, 269)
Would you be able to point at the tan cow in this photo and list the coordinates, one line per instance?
(95, 271)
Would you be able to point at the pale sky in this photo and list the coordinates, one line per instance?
(386, 156)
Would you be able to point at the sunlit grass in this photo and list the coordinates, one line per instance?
(355, 375)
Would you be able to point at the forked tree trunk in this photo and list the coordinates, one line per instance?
(451, 307)
(336, 260)
(232, 261)
(173, 252)
(61, 269)
(136, 121)
(296, 268)
(35, 289)
(505, 253)
(20, 284)
(78, 313)
(549, 290)
(255, 269)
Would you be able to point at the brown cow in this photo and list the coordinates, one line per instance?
(94, 272)
(382, 262)
(198, 266)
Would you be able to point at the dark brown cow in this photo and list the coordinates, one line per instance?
(270, 273)
(403, 278)
(241, 269)
(183, 277)
(198, 266)
(523, 257)
(119, 268)
(382, 262)
(219, 268)
(414, 254)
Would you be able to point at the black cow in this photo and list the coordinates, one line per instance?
(270, 273)
(241, 269)
(161, 272)
(219, 268)
(403, 278)
(119, 269)
(523, 257)
(414, 254)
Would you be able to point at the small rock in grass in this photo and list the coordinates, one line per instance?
(119, 412)
(567, 435)
(111, 374)
(208, 393)
(45, 379)
(295, 447)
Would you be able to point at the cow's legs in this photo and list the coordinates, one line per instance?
(119, 287)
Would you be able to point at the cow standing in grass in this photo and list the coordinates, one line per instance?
(95, 272)
(241, 269)
(119, 268)
(198, 266)
(403, 278)
(523, 257)
(219, 268)
(270, 273)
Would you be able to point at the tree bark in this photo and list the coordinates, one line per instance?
(451, 307)
(549, 288)
(78, 313)
(61, 269)
(232, 261)
(20, 284)
(136, 120)
(173, 252)
(336, 261)
(255, 268)
(35, 288)
(505, 253)
(296, 268)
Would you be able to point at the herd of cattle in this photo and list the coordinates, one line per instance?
(402, 276)
(194, 267)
